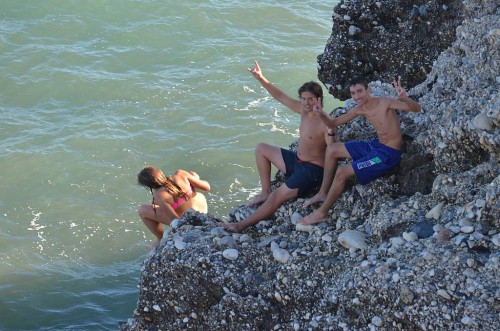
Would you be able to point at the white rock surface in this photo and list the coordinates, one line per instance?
(435, 212)
(280, 254)
(230, 254)
(353, 239)
(410, 236)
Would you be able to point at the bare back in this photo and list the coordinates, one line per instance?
(188, 183)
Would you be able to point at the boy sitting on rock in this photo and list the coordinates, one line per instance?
(303, 169)
(371, 159)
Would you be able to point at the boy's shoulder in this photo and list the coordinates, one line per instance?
(381, 103)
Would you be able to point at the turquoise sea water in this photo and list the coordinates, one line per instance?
(91, 92)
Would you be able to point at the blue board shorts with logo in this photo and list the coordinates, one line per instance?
(299, 174)
(372, 159)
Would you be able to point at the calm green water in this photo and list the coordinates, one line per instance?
(91, 92)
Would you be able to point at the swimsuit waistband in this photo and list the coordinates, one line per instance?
(301, 161)
(376, 141)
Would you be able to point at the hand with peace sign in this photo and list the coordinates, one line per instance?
(399, 89)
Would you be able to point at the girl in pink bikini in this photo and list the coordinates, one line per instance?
(172, 196)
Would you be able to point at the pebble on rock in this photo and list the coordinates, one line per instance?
(423, 229)
(444, 294)
(230, 254)
(435, 212)
(280, 254)
(353, 239)
(377, 321)
(303, 227)
(410, 236)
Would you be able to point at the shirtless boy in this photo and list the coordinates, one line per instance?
(304, 169)
(371, 159)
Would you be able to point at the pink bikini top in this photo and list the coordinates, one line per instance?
(177, 203)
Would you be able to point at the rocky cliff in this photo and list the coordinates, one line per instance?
(415, 250)
(382, 39)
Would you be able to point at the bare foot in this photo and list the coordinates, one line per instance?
(315, 199)
(231, 227)
(153, 245)
(262, 197)
(314, 218)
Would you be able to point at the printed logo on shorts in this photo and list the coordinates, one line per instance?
(369, 163)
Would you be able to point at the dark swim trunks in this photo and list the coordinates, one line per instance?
(299, 174)
(372, 159)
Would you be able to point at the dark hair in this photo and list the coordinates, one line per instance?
(154, 178)
(314, 88)
(359, 80)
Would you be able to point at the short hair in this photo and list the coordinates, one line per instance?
(312, 87)
(359, 80)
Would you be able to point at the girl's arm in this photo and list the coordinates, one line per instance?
(194, 180)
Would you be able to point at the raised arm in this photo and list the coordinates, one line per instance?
(275, 92)
(403, 102)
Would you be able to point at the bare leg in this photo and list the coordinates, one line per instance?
(154, 222)
(275, 200)
(153, 245)
(265, 156)
(338, 185)
(332, 155)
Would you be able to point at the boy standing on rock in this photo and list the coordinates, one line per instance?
(303, 169)
(371, 159)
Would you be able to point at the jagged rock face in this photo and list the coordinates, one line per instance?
(461, 96)
(387, 38)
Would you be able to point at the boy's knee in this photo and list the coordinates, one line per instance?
(260, 147)
(343, 173)
(333, 150)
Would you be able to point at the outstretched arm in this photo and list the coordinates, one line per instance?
(332, 123)
(327, 120)
(403, 102)
(275, 92)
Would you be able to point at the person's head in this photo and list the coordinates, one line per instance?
(310, 90)
(359, 89)
(151, 178)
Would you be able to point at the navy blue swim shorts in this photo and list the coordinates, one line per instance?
(299, 174)
(372, 159)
